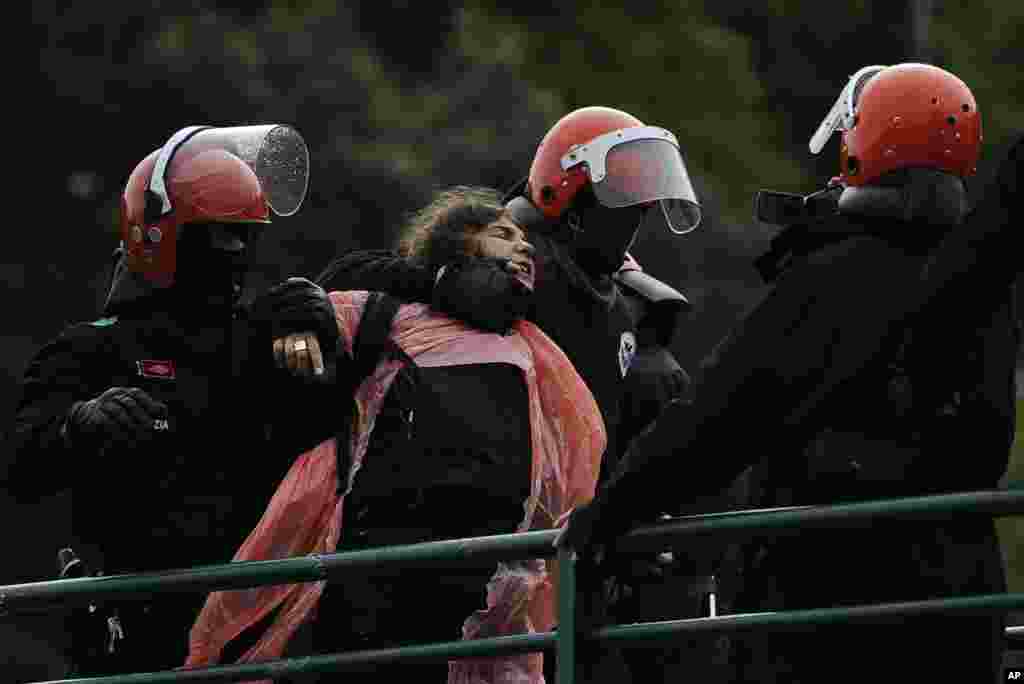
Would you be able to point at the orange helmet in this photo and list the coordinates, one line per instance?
(625, 162)
(902, 116)
(205, 174)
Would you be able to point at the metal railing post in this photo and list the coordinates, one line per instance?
(565, 658)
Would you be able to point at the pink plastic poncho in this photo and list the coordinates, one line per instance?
(304, 515)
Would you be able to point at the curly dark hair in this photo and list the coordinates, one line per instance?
(441, 232)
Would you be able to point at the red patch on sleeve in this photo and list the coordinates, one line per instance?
(151, 368)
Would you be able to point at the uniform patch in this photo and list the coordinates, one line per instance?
(150, 368)
(627, 350)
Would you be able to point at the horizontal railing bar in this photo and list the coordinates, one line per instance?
(795, 519)
(506, 645)
(55, 594)
(650, 632)
(809, 618)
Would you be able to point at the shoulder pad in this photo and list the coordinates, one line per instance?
(655, 306)
(103, 322)
(650, 288)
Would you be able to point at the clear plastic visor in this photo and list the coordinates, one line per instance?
(276, 153)
(842, 115)
(640, 165)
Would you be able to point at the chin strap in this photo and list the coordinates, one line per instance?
(117, 265)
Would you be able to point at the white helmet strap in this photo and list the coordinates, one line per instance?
(158, 182)
(841, 116)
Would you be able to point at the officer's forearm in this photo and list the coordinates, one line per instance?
(667, 466)
(308, 410)
(977, 261)
(983, 255)
(378, 270)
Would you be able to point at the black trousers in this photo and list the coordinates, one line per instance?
(672, 594)
(890, 562)
(124, 637)
(394, 607)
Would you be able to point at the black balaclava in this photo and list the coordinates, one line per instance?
(211, 276)
(601, 236)
(208, 279)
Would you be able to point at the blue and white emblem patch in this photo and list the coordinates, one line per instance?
(627, 350)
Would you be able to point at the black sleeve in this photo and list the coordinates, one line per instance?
(756, 395)
(378, 270)
(479, 291)
(305, 413)
(298, 413)
(655, 379)
(980, 259)
(40, 461)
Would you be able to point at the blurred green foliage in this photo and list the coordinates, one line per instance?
(984, 43)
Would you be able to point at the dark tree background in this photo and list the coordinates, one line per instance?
(396, 99)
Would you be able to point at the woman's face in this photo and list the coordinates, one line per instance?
(503, 239)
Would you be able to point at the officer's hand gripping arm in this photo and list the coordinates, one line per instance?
(379, 271)
(479, 291)
(299, 306)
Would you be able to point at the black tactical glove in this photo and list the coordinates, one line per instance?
(121, 417)
(299, 305)
(482, 292)
(590, 531)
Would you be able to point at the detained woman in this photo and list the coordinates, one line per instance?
(457, 433)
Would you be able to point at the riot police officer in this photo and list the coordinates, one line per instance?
(880, 365)
(160, 415)
(597, 177)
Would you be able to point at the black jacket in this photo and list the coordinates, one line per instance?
(192, 495)
(870, 294)
(880, 365)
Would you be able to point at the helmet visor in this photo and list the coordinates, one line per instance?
(640, 165)
(277, 154)
(841, 116)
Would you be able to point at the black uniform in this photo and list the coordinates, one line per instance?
(190, 494)
(881, 365)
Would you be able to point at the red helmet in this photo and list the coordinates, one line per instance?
(204, 174)
(903, 116)
(625, 162)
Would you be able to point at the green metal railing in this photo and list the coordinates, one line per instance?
(60, 594)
